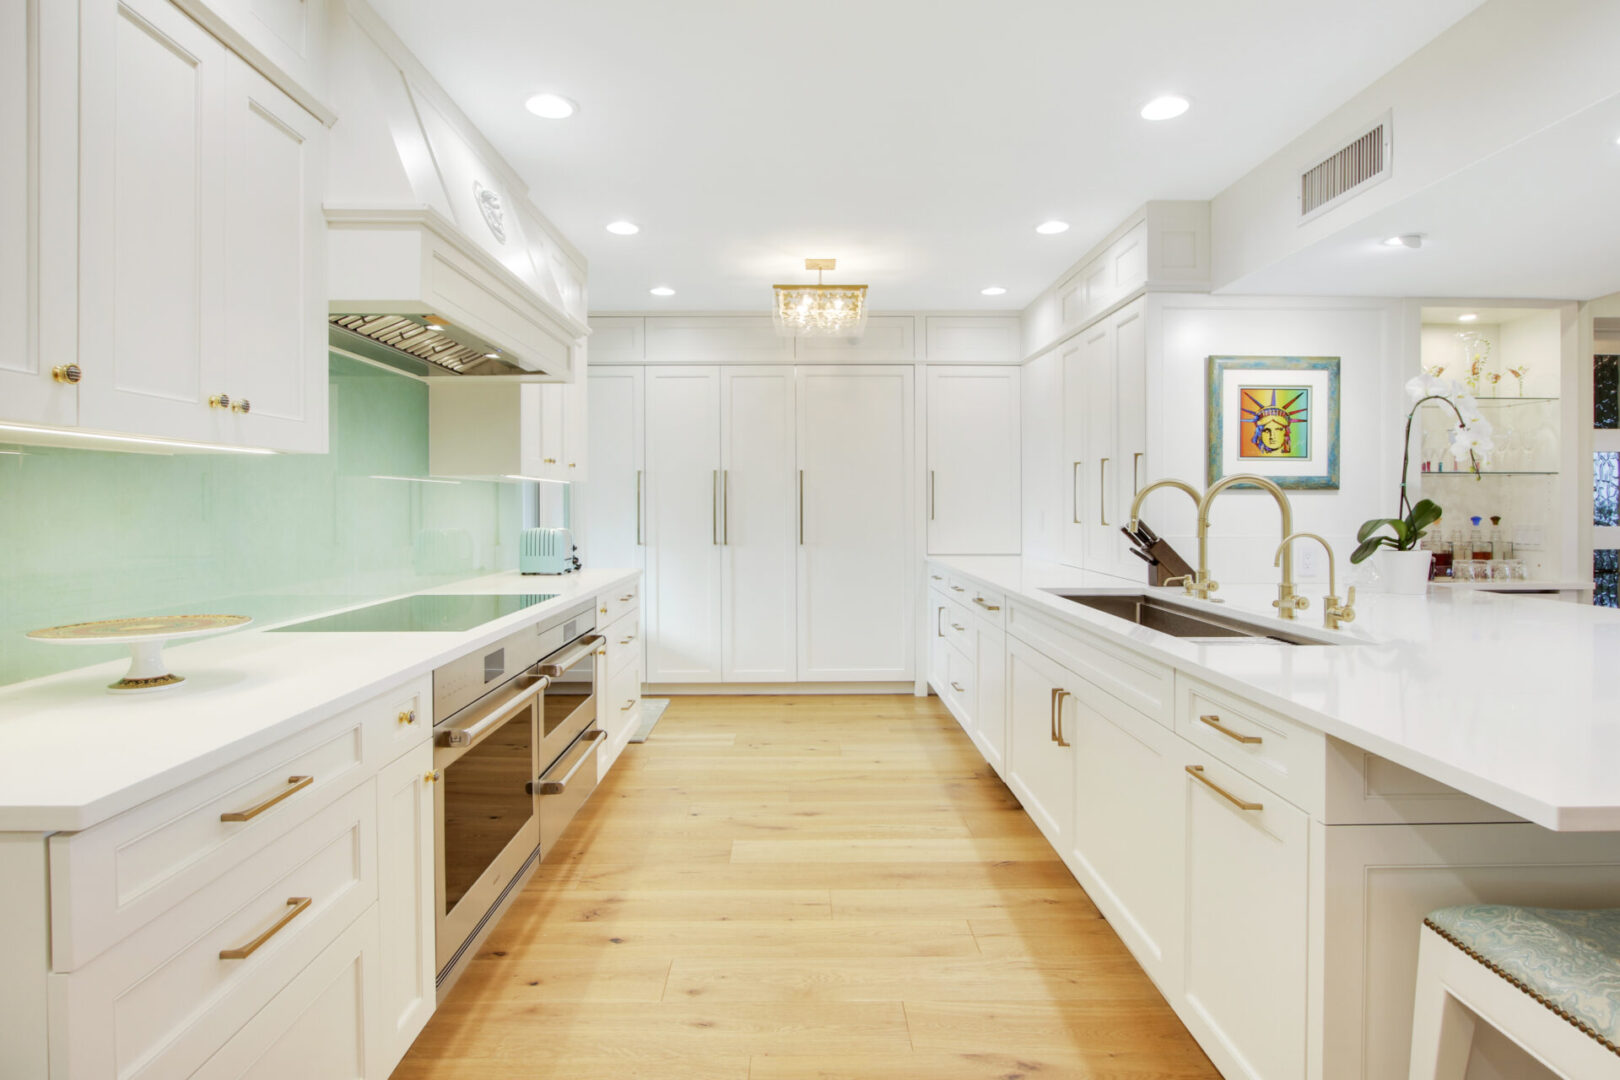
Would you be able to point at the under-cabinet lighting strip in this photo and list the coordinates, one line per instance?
(141, 440)
(535, 479)
(413, 479)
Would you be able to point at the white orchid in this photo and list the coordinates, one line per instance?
(1419, 387)
(1473, 443)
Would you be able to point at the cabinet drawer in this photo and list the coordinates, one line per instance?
(114, 877)
(961, 678)
(960, 631)
(1265, 747)
(1143, 684)
(624, 599)
(623, 641)
(163, 999)
(988, 604)
(624, 694)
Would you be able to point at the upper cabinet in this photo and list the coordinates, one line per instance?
(284, 37)
(493, 430)
(199, 289)
(973, 460)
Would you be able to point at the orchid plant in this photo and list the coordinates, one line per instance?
(1470, 441)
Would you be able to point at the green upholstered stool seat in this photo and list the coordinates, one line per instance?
(1569, 961)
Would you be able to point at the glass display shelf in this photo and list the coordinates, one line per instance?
(1502, 399)
(1490, 472)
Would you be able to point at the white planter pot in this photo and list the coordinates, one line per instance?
(1404, 572)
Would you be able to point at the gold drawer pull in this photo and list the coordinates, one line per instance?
(958, 626)
(936, 577)
(957, 687)
(627, 599)
(297, 784)
(627, 706)
(1215, 722)
(407, 716)
(628, 640)
(296, 906)
(957, 588)
(1057, 703)
(987, 606)
(1197, 773)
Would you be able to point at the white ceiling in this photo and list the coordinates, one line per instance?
(917, 141)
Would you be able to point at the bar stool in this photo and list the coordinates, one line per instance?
(1549, 980)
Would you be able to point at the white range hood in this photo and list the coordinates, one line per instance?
(437, 262)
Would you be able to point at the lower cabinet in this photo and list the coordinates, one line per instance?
(1128, 822)
(1247, 902)
(1040, 759)
(405, 864)
(990, 680)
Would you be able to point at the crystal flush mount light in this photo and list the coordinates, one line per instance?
(820, 310)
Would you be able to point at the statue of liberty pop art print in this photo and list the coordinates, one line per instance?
(1276, 417)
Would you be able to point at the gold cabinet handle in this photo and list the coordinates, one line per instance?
(987, 606)
(1074, 492)
(571, 465)
(1197, 773)
(244, 406)
(628, 640)
(627, 706)
(67, 373)
(958, 626)
(296, 906)
(1058, 720)
(1102, 492)
(957, 687)
(602, 610)
(430, 778)
(957, 588)
(930, 494)
(295, 785)
(639, 539)
(1136, 472)
(1051, 726)
(801, 508)
(714, 507)
(551, 461)
(219, 401)
(627, 599)
(936, 577)
(1214, 721)
(939, 623)
(407, 716)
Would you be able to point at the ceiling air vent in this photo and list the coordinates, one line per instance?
(1361, 162)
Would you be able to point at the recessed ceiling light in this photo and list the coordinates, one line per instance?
(1052, 228)
(994, 290)
(1405, 240)
(551, 106)
(1167, 107)
(1469, 317)
(661, 290)
(623, 228)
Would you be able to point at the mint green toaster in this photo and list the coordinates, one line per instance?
(546, 551)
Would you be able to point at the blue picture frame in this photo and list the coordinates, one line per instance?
(1313, 466)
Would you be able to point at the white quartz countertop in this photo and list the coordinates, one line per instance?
(72, 755)
(1512, 699)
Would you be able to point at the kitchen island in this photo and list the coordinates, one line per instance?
(1265, 823)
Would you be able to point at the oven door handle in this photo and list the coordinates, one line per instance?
(557, 787)
(557, 664)
(472, 733)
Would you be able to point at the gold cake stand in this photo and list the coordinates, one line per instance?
(145, 638)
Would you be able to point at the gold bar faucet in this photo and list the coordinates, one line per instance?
(1288, 601)
(1199, 584)
(1333, 612)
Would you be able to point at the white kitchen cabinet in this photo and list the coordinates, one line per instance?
(683, 585)
(1040, 757)
(1130, 423)
(485, 429)
(857, 553)
(938, 645)
(576, 423)
(201, 258)
(758, 516)
(973, 460)
(990, 679)
(1042, 469)
(1128, 805)
(288, 34)
(609, 506)
(405, 989)
(1246, 909)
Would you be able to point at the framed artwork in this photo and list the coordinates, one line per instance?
(1276, 417)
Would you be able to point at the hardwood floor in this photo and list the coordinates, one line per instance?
(787, 888)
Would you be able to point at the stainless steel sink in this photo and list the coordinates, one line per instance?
(1180, 622)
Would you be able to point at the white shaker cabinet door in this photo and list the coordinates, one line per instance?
(1130, 431)
(990, 680)
(973, 461)
(610, 505)
(275, 267)
(857, 552)
(151, 194)
(405, 992)
(1102, 467)
(576, 422)
(1040, 758)
(1247, 900)
(683, 525)
(758, 514)
(1078, 491)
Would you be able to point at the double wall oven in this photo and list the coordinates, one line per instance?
(514, 756)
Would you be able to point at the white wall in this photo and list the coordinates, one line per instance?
(1367, 336)
(1505, 72)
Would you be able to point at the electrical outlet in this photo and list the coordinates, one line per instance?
(1308, 558)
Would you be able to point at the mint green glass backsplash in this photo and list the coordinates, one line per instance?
(95, 535)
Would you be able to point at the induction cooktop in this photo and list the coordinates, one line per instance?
(427, 612)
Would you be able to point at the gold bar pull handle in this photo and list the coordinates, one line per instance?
(930, 494)
(639, 538)
(1136, 473)
(714, 507)
(1214, 721)
(982, 602)
(1061, 694)
(1052, 720)
(957, 687)
(295, 784)
(801, 507)
(1197, 773)
(1074, 492)
(725, 506)
(1102, 492)
(296, 906)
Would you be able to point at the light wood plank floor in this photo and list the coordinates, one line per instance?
(787, 888)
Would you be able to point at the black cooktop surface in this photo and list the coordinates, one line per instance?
(427, 612)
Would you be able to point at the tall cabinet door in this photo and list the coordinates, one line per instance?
(973, 461)
(683, 525)
(1130, 433)
(1076, 450)
(1102, 523)
(275, 276)
(151, 193)
(610, 507)
(758, 518)
(857, 552)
